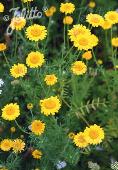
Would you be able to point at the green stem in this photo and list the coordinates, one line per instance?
(6, 59)
(21, 128)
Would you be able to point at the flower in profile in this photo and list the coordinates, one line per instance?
(50, 12)
(37, 127)
(94, 19)
(26, 1)
(37, 154)
(10, 111)
(94, 134)
(29, 106)
(36, 32)
(35, 59)
(99, 62)
(18, 23)
(3, 46)
(1, 7)
(92, 4)
(18, 70)
(50, 79)
(78, 30)
(115, 42)
(87, 55)
(18, 145)
(50, 106)
(71, 135)
(112, 16)
(68, 20)
(80, 140)
(67, 8)
(78, 68)
(6, 145)
(13, 129)
(106, 25)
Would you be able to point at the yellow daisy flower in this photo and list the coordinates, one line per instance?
(37, 154)
(1, 7)
(26, 1)
(87, 55)
(68, 20)
(78, 30)
(50, 106)
(67, 8)
(37, 127)
(18, 23)
(18, 70)
(36, 32)
(50, 79)
(106, 25)
(83, 42)
(93, 40)
(10, 111)
(3, 46)
(94, 19)
(78, 68)
(18, 145)
(115, 42)
(94, 134)
(80, 140)
(35, 59)
(6, 145)
(112, 16)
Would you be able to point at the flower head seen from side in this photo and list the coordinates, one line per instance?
(35, 59)
(68, 20)
(94, 134)
(11, 111)
(112, 17)
(71, 135)
(67, 8)
(50, 106)
(3, 47)
(50, 79)
(37, 127)
(18, 23)
(18, 70)
(6, 145)
(87, 55)
(94, 19)
(37, 154)
(79, 68)
(80, 140)
(78, 30)
(36, 32)
(50, 12)
(106, 25)
(18, 145)
(92, 4)
(1, 7)
(114, 42)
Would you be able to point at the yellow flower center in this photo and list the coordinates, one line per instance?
(112, 17)
(81, 139)
(18, 70)
(36, 32)
(50, 104)
(10, 110)
(34, 59)
(95, 20)
(93, 134)
(83, 41)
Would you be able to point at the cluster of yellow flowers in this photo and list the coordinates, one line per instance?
(16, 145)
(91, 135)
